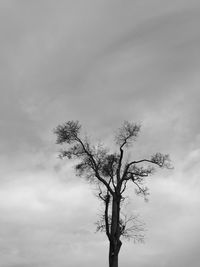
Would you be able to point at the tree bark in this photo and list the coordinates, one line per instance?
(113, 259)
(113, 255)
(115, 242)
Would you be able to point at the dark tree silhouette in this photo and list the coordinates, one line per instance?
(111, 173)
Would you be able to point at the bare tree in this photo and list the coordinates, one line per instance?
(111, 173)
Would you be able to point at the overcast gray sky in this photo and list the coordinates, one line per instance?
(101, 62)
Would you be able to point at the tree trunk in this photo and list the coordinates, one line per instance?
(113, 259)
(113, 256)
(115, 243)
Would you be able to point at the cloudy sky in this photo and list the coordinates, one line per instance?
(101, 62)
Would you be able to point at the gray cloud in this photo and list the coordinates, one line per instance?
(100, 62)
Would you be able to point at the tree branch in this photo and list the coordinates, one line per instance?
(107, 202)
(158, 159)
(125, 182)
(95, 167)
(141, 190)
(121, 156)
(120, 162)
